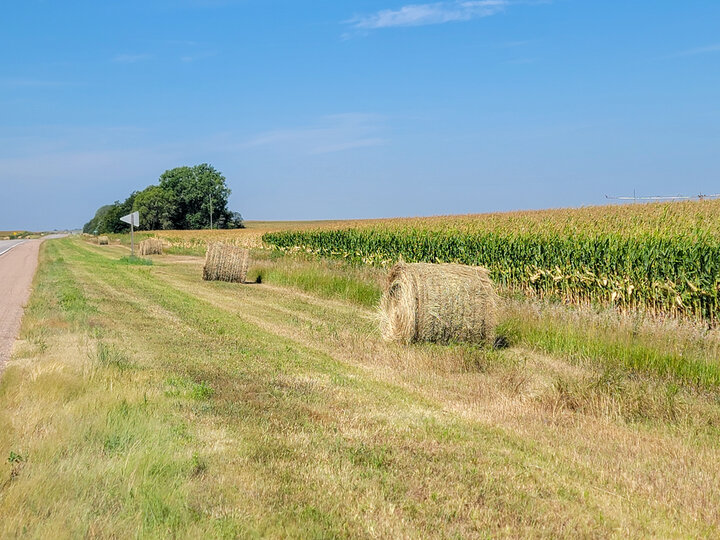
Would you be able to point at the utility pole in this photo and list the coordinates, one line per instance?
(211, 212)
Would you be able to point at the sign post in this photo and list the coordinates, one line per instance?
(134, 221)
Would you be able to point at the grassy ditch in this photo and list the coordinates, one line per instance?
(143, 401)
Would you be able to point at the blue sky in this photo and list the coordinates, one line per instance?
(357, 109)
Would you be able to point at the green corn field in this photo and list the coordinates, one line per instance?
(661, 258)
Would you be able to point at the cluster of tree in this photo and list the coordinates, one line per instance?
(186, 198)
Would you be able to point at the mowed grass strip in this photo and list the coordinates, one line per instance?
(605, 409)
(136, 406)
(366, 400)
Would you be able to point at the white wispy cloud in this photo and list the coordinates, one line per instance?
(130, 58)
(335, 133)
(698, 50)
(425, 14)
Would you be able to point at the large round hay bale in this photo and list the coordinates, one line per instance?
(226, 262)
(439, 303)
(151, 246)
(103, 240)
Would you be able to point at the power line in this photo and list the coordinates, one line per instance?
(699, 197)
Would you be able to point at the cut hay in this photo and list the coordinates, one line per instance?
(439, 303)
(226, 262)
(103, 240)
(150, 246)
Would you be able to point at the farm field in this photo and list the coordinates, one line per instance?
(175, 364)
(663, 259)
(142, 401)
(17, 235)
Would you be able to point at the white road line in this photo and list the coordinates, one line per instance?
(13, 246)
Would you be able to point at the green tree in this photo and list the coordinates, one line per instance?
(107, 218)
(110, 223)
(93, 226)
(187, 198)
(200, 192)
(157, 207)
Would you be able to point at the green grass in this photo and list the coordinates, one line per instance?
(197, 251)
(143, 402)
(103, 426)
(324, 278)
(135, 260)
(615, 342)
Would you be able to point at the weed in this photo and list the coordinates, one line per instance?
(180, 386)
(197, 465)
(111, 356)
(15, 457)
(17, 462)
(201, 391)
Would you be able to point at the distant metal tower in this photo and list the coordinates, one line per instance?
(635, 198)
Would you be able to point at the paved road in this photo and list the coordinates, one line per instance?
(7, 245)
(18, 261)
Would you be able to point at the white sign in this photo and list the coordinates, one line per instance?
(132, 219)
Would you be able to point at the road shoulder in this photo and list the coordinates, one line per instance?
(17, 269)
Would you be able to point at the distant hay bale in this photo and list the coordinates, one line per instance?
(151, 246)
(438, 303)
(226, 262)
(103, 240)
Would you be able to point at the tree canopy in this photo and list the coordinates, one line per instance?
(158, 208)
(186, 198)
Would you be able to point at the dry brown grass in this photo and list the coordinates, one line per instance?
(226, 262)
(249, 237)
(438, 303)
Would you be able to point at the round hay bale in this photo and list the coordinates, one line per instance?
(103, 240)
(226, 262)
(151, 246)
(439, 303)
